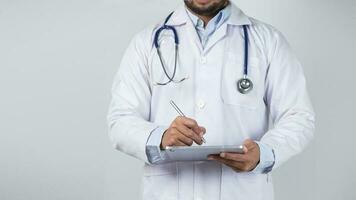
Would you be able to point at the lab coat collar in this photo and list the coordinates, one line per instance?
(237, 17)
(179, 17)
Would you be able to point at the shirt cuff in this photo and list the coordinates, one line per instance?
(267, 159)
(153, 149)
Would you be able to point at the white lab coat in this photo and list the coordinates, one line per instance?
(210, 96)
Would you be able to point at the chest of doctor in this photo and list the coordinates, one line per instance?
(210, 92)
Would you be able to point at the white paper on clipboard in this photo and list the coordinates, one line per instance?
(199, 153)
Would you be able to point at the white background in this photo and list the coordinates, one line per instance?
(57, 62)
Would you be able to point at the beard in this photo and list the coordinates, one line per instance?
(208, 10)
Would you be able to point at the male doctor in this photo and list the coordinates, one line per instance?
(203, 81)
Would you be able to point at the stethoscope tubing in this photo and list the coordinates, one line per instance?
(246, 39)
(244, 84)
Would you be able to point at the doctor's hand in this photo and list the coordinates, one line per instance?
(241, 162)
(183, 132)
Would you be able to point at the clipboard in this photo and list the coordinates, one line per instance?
(199, 153)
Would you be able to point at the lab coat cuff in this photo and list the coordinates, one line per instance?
(154, 153)
(267, 159)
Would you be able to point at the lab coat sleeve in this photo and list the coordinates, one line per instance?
(129, 110)
(287, 98)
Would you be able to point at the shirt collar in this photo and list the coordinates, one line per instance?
(220, 17)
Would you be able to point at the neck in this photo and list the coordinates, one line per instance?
(205, 19)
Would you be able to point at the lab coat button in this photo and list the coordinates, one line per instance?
(203, 60)
(201, 104)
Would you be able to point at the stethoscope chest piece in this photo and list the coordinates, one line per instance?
(244, 85)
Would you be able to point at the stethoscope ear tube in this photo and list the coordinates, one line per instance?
(165, 27)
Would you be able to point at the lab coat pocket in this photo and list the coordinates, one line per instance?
(232, 72)
(160, 182)
(246, 186)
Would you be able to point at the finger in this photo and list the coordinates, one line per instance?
(230, 163)
(237, 166)
(234, 156)
(220, 159)
(177, 137)
(249, 144)
(173, 139)
(201, 130)
(190, 134)
(186, 140)
(244, 149)
(191, 123)
(180, 143)
(213, 157)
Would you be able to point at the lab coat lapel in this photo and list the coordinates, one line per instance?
(237, 18)
(193, 35)
(219, 34)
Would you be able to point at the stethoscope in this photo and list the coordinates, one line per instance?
(244, 85)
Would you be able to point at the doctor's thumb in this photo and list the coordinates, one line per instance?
(244, 149)
(248, 143)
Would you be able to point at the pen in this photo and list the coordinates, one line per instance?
(181, 114)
